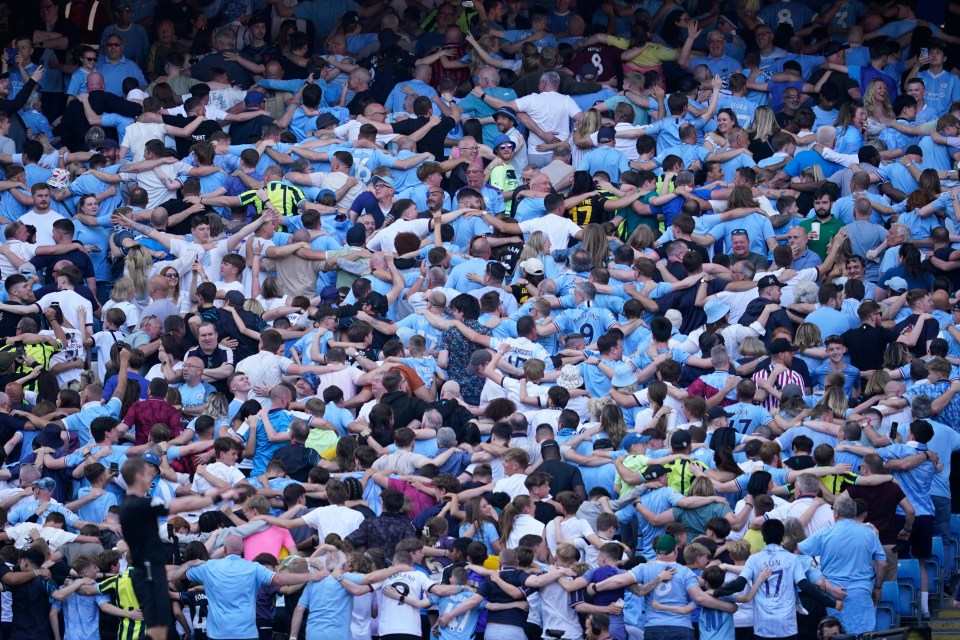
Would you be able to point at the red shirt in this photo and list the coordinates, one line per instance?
(146, 413)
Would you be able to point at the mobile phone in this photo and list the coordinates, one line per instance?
(114, 467)
(468, 4)
(893, 431)
(924, 52)
(12, 56)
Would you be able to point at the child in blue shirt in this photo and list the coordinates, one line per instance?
(425, 365)
(81, 613)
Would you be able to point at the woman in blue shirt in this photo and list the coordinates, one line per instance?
(910, 269)
(479, 523)
(850, 124)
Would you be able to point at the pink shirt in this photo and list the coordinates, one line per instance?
(270, 541)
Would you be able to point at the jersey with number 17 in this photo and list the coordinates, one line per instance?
(590, 322)
(774, 607)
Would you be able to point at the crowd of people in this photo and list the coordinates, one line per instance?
(606, 320)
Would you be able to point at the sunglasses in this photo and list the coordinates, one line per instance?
(89, 59)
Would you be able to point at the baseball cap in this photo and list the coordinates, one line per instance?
(632, 439)
(606, 134)
(914, 150)
(654, 471)
(254, 98)
(588, 69)
(717, 412)
(665, 544)
(7, 358)
(790, 391)
(324, 192)
(235, 298)
(680, 439)
(350, 18)
(386, 179)
(730, 18)
(330, 292)
(546, 444)
(833, 47)
(327, 120)
(109, 143)
(152, 459)
(602, 443)
(45, 484)
(780, 345)
(768, 281)
(533, 266)
(897, 284)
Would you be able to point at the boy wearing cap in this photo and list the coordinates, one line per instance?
(605, 157)
(503, 173)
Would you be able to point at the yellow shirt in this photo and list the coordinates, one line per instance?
(754, 537)
(652, 55)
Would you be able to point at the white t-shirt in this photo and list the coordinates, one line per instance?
(521, 350)
(509, 389)
(523, 525)
(345, 379)
(572, 530)
(219, 470)
(351, 131)
(787, 295)
(405, 461)
(396, 618)
(264, 369)
(130, 310)
(513, 485)
(157, 191)
(23, 250)
(334, 181)
(104, 341)
(69, 302)
(507, 299)
(139, 134)
(557, 228)
(333, 519)
(385, 238)
(44, 224)
(822, 517)
(551, 111)
(22, 539)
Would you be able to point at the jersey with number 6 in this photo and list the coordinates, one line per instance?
(590, 322)
(774, 610)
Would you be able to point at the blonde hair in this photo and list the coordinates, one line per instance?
(871, 101)
(764, 124)
(139, 260)
(535, 247)
(44, 141)
(122, 290)
(752, 347)
(595, 243)
(253, 306)
(590, 123)
(876, 383)
(641, 238)
(808, 336)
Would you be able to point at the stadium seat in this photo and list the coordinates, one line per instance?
(908, 579)
(936, 571)
(889, 599)
(955, 540)
(885, 618)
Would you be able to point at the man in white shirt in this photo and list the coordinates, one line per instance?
(513, 483)
(550, 111)
(16, 234)
(338, 177)
(41, 216)
(66, 299)
(151, 127)
(336, 518)
(373, 111)
(383, 240)
(557, 228)
(807, 490)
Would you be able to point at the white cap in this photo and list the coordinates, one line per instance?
(533, 266)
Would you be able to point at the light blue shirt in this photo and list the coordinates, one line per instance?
(915, 482)
(608, 159)
(657, 501)
(81, 615)
(847, 551)
(674, 593)
(80, 422)
(115, 74)
(747, 417)
(232, 584)
(831, 321)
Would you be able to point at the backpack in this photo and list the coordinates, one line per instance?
(680, 474)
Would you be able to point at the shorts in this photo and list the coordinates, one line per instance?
(150, 585)
(920, 544)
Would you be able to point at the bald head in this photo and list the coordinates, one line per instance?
(233, 545)
(95, 82)
(423, 73)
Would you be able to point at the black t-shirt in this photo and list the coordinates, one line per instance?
(386, 70)
(684, 301)
(433, 141)
(201, 134)
(929, 331)
(80, 260)
(196, 602)
(564, 476)
(138, 518)
(544, 512)
(954, 275)
(776, 319)
(492, 593)
(883, 500)
(9, 321)
(866, 346)
(30, 607)
(175, 206)
(246, 346)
